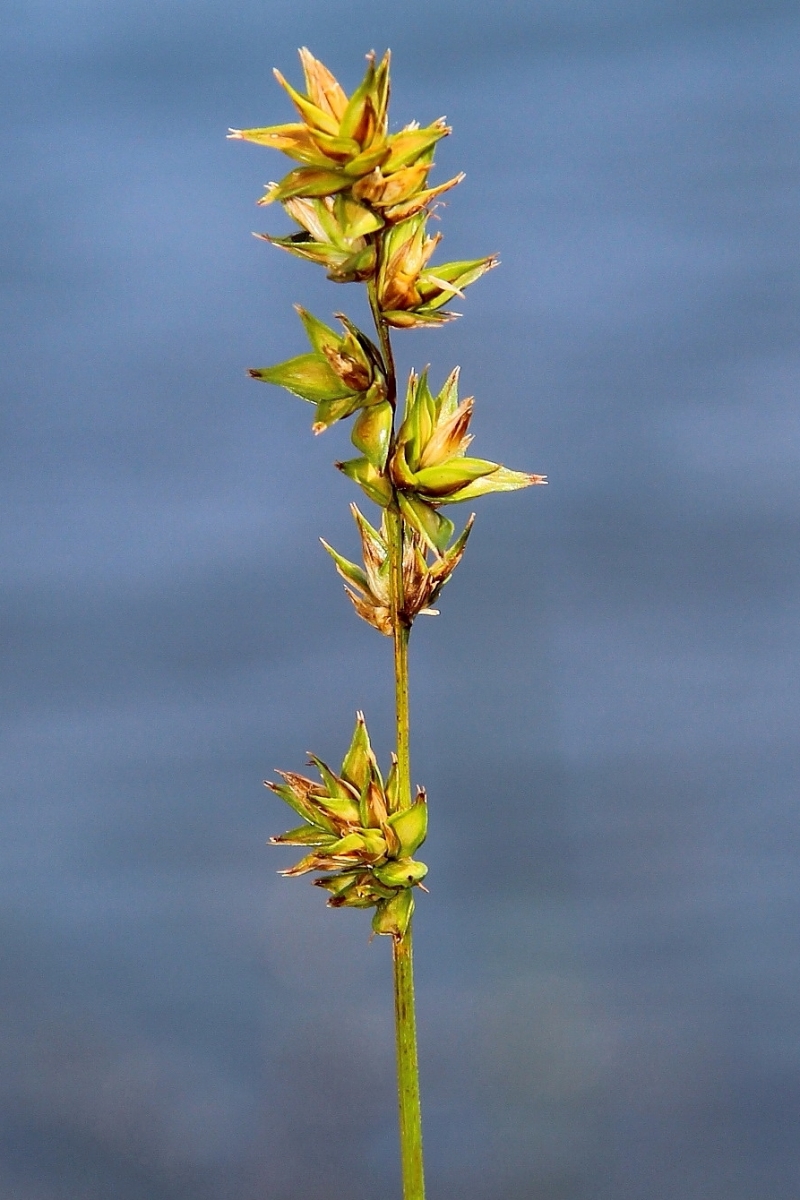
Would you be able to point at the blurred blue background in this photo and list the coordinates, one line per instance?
(604, 715)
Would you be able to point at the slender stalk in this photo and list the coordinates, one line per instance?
(407, 1071)
(384, 338)
(408, 1098)
(401, 633)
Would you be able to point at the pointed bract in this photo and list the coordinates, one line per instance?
(429, 466)
(374, 485)
(501, 480)
(342, 374)
(308, 376)
(411, 825)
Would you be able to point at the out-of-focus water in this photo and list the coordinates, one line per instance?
(605, 713)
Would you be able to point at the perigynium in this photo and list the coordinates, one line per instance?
(361, 200)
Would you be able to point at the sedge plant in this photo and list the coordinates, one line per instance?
(361, 202)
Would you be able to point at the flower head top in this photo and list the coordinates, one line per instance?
(344, 144)
(361, 196)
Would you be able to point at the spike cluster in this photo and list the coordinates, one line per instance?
(360, 202)
(425, 466)
(358, 834)
(428, 466)
(357, 180)
(343, 141)
(369, 587)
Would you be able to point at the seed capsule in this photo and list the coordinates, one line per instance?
(393, 917)
(411, 825)
(404, 872)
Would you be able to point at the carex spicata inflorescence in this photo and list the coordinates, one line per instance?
(361, 202)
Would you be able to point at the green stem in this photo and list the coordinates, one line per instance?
(401, 633)
(407, 1071)
(404, 1015)
(404, 1012)
(385, 341)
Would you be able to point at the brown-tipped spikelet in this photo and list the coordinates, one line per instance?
(369, 588)
(338, 136)
(410, 293)
(357, 833)
(345, 147)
